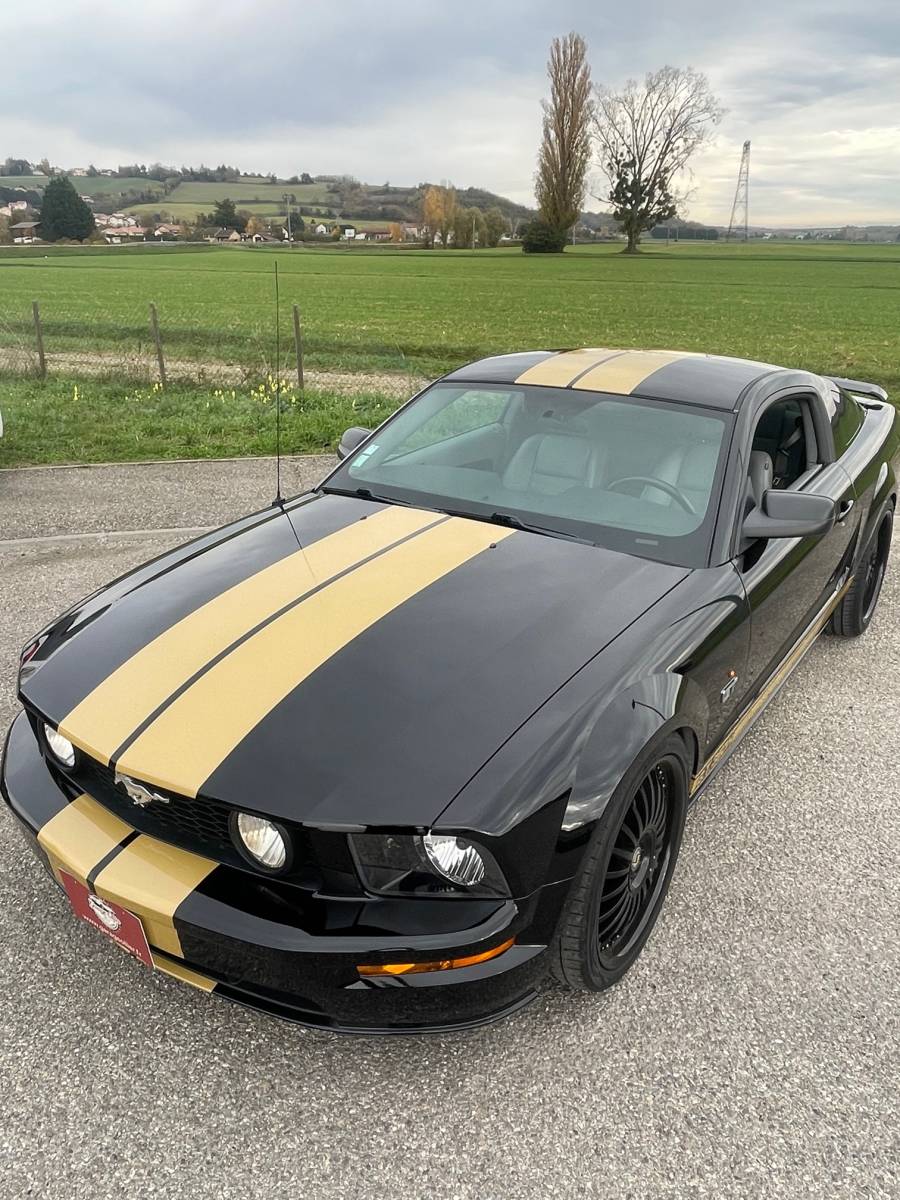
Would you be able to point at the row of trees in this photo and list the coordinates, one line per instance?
(457, 225)
(643, 135)
(159, 172)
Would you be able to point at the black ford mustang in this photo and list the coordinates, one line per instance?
(384, 757)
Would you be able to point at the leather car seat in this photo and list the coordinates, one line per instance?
(551, 463)
(689, 467)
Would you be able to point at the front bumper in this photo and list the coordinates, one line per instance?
(226, 931)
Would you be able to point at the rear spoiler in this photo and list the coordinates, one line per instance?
(858, 388)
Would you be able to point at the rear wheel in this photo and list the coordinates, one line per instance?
(619, 891)
(856, 610)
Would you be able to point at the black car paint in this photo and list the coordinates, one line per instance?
(532, 773)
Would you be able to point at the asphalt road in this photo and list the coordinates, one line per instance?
(753, 1051)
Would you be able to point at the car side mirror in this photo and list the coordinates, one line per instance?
(351, 439)
(789, 515)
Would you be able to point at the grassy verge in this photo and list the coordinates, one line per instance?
(100, 421)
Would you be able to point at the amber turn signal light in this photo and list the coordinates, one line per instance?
(443, 964)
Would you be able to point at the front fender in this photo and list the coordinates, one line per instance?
(575, 750)
(654, 706)
(577, 747)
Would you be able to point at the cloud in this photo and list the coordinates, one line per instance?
(438, 92)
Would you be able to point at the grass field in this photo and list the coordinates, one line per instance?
(188, 212)
(103, 421)
(261, 208)
(100, 185)
(243, 190)
(203, 194)
(826, 307)
(186, 200)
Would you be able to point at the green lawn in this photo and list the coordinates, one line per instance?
(103, 421)
(827, 307)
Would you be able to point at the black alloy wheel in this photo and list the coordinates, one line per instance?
(875, 567)
(616, 897)
(637, 865)
(855, 612)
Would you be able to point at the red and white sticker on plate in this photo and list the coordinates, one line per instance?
(116, 922)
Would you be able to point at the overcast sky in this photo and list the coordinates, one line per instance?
(451, 91)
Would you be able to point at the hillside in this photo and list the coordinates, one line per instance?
(181, 200)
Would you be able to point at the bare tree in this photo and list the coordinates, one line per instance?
(645, 135)
(565, 150)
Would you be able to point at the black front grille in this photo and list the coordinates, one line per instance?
(197, 824)
(194, 823)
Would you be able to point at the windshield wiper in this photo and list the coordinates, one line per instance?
(513, 522)
(509, 520)
(363, 493)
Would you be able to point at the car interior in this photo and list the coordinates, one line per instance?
(636, 465)
(783, 449)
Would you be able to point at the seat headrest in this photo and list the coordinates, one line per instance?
(761, 475)
(698, 467)
(551, 463)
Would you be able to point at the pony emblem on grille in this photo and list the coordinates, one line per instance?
(138, 794)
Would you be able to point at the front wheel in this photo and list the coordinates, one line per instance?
(619, 891)
(857, 608)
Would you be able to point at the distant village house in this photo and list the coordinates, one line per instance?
(25, 232)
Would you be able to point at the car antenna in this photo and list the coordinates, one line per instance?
(278, 502)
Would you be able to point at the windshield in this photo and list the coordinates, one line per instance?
(636, 475)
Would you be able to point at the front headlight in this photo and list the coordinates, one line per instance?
(60, 747)
(262, 841)
(435, 864)
(454, 858)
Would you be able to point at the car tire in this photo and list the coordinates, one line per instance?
(627, 869)
(854, 614)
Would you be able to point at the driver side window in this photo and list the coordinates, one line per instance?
(781, 437)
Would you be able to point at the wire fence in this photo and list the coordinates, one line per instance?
(141, 346)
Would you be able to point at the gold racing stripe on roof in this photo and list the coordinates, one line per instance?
(625, 373)
(111, 713)
(201, 728)
(563, 369)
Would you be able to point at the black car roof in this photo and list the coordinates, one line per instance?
(675, 375)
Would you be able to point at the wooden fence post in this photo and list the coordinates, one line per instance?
(154, 328)
(298, 346)
(39, 337)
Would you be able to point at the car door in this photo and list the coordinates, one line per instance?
(789, 581)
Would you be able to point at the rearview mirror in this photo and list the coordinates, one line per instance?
(789, 515)
(351, 439)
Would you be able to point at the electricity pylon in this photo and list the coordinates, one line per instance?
(741, 197)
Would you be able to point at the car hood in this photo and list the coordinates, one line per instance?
(342, 661)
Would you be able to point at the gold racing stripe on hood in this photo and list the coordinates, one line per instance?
(626, 372)
(80, 836)
(198, 731)
(151, 879)
(111, 713)
(563, 369)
